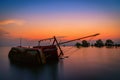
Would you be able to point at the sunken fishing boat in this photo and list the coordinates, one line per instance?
(38, 55)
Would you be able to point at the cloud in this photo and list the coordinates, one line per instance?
(3, 33)
(6, 22)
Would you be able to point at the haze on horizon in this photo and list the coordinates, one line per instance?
(38, 19)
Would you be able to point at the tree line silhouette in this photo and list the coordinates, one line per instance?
(99, 43)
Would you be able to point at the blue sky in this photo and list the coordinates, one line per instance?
(45, 18)
(14, 8)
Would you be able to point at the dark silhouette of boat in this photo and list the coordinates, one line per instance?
(39, 54)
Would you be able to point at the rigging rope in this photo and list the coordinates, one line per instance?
(69, 49)
(70, 53)
(73, 52)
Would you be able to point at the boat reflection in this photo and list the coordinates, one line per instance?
(43, 72)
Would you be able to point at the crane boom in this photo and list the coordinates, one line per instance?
(79, 38)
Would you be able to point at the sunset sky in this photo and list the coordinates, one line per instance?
(38, 19)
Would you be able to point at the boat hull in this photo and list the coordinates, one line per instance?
(33, 56)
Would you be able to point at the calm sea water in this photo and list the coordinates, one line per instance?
(82, 64)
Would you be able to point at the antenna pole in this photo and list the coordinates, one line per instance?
(38, 43)
(20, 42)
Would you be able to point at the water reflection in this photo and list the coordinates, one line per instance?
(43, 72)
(93, 64)
(82, 64)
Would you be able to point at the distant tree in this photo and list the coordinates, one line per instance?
(109, 42)
(117, 45)
(92, 45)
(78, 44)
(85, 43)
(99, 43)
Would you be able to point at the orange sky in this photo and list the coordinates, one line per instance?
(72, 27)
(72, 20)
